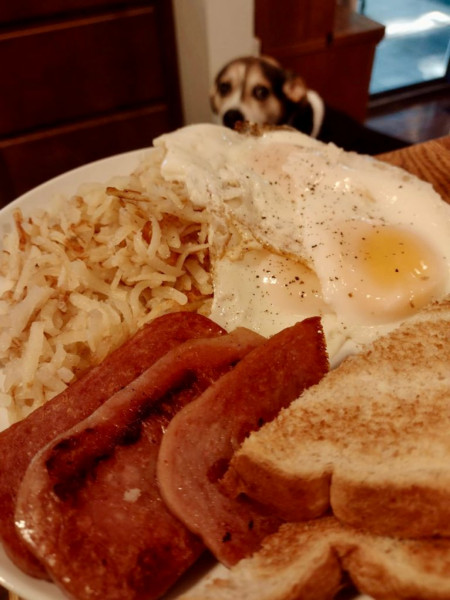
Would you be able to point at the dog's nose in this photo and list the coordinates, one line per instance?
(231, 117)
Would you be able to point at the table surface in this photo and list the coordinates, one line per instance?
(429, 161)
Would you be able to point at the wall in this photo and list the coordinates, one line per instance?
(209, 34)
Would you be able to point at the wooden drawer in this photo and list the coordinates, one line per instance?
(24, 10)
(92, 79)
(32, 159)
(327, 44)
(82, 67)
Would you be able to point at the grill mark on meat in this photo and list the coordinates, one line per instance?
(131, 435)
(74, 459)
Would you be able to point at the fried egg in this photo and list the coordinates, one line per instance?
(301, 228)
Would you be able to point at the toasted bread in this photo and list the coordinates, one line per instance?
(371, 440)
(313, 560)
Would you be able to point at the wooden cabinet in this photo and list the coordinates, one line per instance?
(81, 79)
(326, 43)
(293, 26)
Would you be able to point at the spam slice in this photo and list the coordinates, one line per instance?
(20, 442)
(89, 506)
(202, 438)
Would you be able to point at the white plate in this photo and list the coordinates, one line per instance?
(100, 171)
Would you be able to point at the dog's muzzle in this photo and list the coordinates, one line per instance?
(231, 117)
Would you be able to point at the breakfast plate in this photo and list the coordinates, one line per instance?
(233, 194)
(67, 183)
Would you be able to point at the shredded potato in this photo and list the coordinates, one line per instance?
(81, 280)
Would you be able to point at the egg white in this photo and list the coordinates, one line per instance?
(295, 230)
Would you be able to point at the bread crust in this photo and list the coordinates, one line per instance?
(314, 559)
(283, 493)
(388, 569)
(424, 510)
(296, 562)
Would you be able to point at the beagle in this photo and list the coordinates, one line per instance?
(259, 90)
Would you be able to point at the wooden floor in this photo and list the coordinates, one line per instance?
(415, 121)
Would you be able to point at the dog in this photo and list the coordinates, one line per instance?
(259, 90)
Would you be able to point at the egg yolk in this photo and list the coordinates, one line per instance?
(265, 292)
(389, 272)
(286, 284)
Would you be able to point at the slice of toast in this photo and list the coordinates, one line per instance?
(371, 439)
(314, 559)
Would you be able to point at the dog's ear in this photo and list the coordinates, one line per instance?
(294, 88)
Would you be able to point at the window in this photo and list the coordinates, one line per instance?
(416, 46)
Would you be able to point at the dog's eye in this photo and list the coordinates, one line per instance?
(261, 92)
(224, 88)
